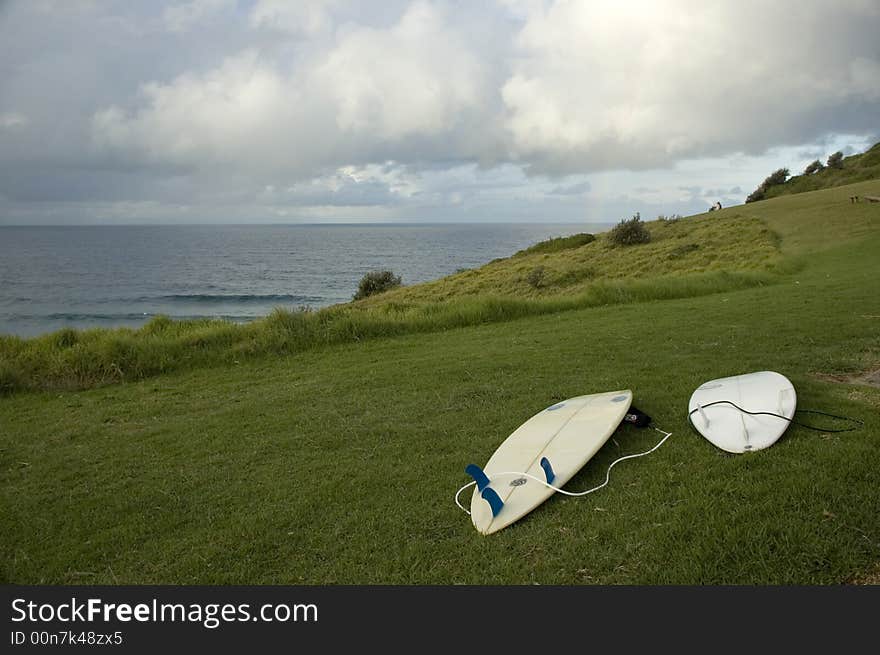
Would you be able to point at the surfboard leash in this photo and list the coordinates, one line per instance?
(563, 491)
(858, 422)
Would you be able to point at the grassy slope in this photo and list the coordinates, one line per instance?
(700, 244)
(856, 168)
(338, 464)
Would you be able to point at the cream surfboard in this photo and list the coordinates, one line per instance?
(553, 445)
(762, 395)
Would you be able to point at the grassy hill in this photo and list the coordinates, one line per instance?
(326, 447)
(701, 244)
(855, 168)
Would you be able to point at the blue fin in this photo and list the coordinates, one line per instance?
(548, 470)
(477, 474)
(493, 499)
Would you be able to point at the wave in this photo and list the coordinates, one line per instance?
(123, 316)
(232, 298)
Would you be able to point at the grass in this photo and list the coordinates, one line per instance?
(337, 463)
(855, 168)
(698, 245)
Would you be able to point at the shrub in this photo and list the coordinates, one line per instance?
(630, 233)
(814, 167)
(836, 160)
(535, 278)
(668, 220)
(777, 177)
(376, 282)
(757, 194)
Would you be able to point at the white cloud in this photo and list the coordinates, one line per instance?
(638, 84)
(204, 120)
(182, 17)
(578, 87)
(305, 17)
(12, 119)
(369, 94)
(416, 78)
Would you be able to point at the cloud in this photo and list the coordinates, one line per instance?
(572, 190)
(643, 84)
(306, 17)
(11, 119)
(483, 105)
(182, 17)
(367, 94)
(200, 120)
(563, 88)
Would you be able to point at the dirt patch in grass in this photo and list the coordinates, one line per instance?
(870, 379)
(870, 577)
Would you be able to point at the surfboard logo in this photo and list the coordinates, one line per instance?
(518, 482)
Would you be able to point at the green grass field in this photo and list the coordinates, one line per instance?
(336, 462)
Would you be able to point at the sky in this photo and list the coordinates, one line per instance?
(268, 111)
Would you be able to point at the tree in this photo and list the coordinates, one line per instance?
(376, 282)
(777, 177)
(814, 167)
(757, 194)
(836, 160)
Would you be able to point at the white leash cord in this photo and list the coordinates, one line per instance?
(562, 491)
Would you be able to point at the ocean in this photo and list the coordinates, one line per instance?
(111, 276)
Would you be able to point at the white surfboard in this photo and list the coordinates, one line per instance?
(565, 436)
(712, 412)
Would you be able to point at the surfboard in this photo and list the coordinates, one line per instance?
(552, 445)
(713, 416)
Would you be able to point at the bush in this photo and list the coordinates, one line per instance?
(836, 160)
(535, 278)
(757, 194)
(777, 177)
(814, 167)
(376, 282)
(630, 233)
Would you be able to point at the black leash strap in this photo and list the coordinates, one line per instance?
(857, 422)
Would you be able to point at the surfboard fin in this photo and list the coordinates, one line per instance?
(548, 470)
(494, 500)
(478, 475)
